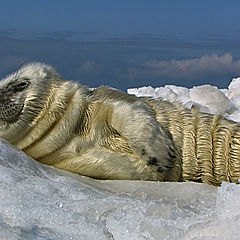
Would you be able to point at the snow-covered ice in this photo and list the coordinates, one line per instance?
(40, 202)
(43, 203)
(208, 98)
(211, 98)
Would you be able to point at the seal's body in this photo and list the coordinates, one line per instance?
(102, 133)
(108, 134)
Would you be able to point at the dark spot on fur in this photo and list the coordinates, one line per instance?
(170, 166)
(172, 154)
(160, 170)
(152, 161)
(169, 134)
(143, 152)
(172, 148)
(78, 149)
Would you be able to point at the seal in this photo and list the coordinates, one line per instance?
(107, 134)
(103, 133)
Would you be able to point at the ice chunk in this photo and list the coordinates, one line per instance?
(234, 88)
(143, 91)
(211, 98)
(169, 92)
(182, 93)
(164, 93)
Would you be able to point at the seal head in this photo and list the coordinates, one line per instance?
(23, 95)
(12, 99)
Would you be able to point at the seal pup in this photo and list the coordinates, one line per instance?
(108, 134)
(104, 133)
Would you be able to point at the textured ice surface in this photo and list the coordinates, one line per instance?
(42, 203)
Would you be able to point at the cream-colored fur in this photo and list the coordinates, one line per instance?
(209, 145)
(102, 133)
(108, 134)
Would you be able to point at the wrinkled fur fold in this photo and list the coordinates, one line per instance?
(209, 145)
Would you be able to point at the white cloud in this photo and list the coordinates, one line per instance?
(187, 69)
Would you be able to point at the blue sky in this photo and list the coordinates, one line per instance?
(125, 43)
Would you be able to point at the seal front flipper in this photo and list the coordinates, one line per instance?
(154, 145)
(156, 148)
(135, 120)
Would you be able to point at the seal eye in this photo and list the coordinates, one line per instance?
(20, 86)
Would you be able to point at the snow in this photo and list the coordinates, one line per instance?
(43, 203)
